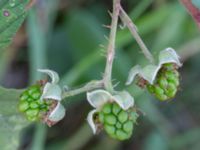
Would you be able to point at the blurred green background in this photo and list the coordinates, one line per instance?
(67, 36)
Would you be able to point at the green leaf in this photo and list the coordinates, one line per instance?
(11, 120)
(12, 14)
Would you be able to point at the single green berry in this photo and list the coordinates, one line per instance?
(117, 123)
(115, 109)
(40, 102)
(128, 126)
(24, 97)
(34, 105)
(170, 75)
(162, 97)
(36, 95)
(33, 89)
(158, 90)
(171, 86)
(109, 129)
(110, 119)
(32, 112)
(107, 109)
(23, 106)
(171, 93)
(121, 135)
(30, 99)
(123, 116)
(162, 82)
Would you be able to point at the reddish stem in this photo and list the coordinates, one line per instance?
(194, 11)
(30, 4)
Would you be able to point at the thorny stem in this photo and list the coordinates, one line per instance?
(133, 29)
(107, 79)
(111, 47)
(88, 87)
(194, 12)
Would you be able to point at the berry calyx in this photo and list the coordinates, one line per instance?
(117, 122)
(30, 104)
(166, 83)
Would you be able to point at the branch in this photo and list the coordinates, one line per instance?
(194, 12)
(132, 27)
(88, 87)
(111, 46)
(107, 79)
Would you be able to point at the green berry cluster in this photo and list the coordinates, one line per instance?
(31, 105)
(166, 84)
(117, 122)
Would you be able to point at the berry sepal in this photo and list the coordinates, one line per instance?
(150, 72)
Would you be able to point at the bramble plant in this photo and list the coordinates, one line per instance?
(114, 111)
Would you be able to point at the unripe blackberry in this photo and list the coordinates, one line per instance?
(31, 105)
(166, 83)
(117, 122)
